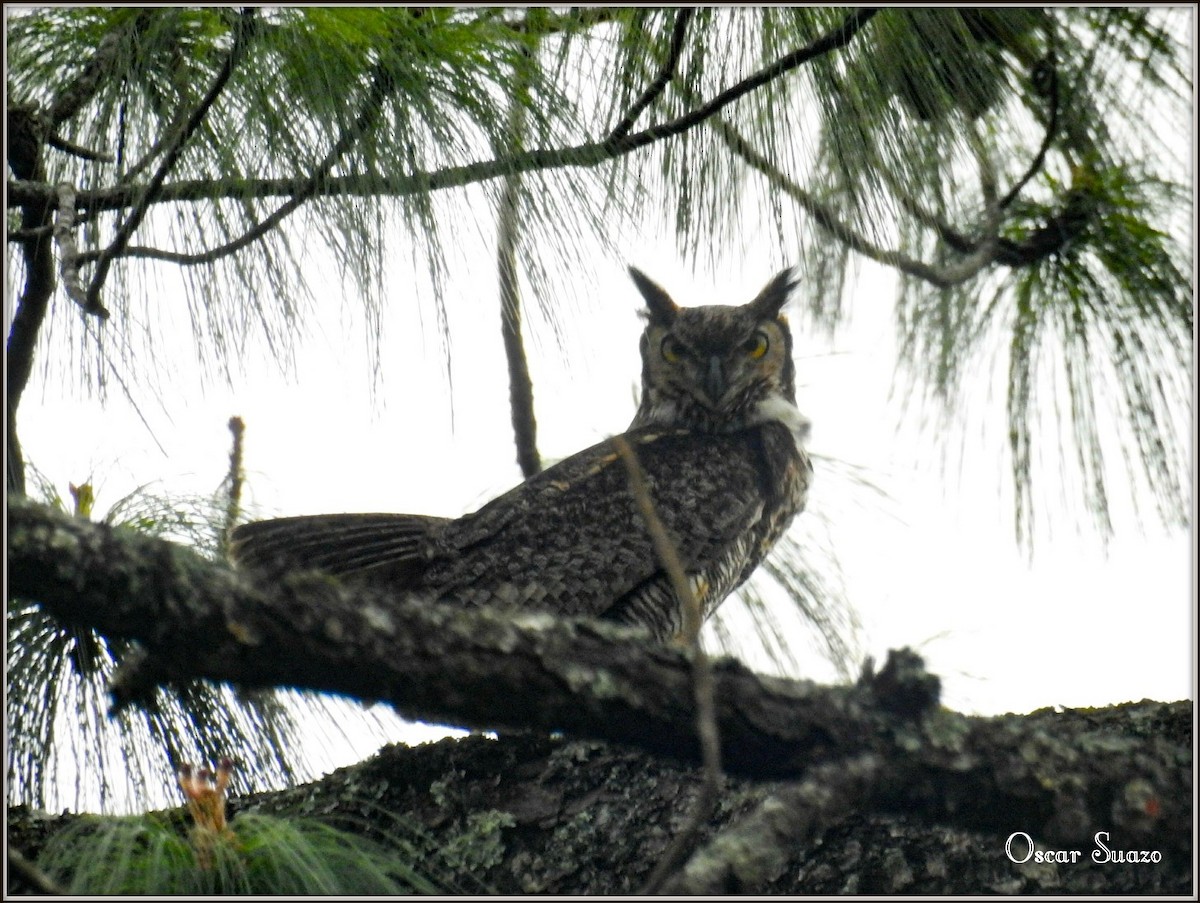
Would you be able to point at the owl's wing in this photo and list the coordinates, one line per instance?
(572, 540)
(345, 545)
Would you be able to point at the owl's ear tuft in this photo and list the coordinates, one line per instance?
(661, 308)
(771, 299)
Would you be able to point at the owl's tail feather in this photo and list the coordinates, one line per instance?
(344, 545)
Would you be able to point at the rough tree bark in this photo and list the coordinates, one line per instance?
(870, 788)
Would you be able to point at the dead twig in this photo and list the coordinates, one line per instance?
(702, 679)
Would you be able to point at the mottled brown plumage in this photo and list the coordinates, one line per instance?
(718, 436)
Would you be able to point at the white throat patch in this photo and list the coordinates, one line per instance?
(776, 407)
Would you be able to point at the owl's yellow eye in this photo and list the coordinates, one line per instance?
(758, 345)
(672, 350)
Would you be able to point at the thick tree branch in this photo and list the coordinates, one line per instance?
(24, 870)
(26, 139)
(489, 669)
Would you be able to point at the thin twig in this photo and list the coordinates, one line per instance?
(702, 679)
(241, 32)
(68, 253)
(1047, 139)
(665, 74)
(179, 121)
(77, 150)
(828, 220)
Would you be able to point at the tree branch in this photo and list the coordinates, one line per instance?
(843, 232)
(665, 74)
(77, 150)
(37, 880)
(588, 154)
(71, 99)
(754, 852)
(508, 228)
(489, 669)
(68, 253)
(242, 31)
(1049, 71)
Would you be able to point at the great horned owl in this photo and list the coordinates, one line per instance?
(717, 435)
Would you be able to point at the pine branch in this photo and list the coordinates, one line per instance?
(508, 229)
(828, 220)
(666, 73)
(496, 670)
(243, 30)
(81, 89)
(586, 155)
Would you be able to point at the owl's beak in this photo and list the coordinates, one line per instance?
(714, 380)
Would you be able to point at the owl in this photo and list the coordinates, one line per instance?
(721, 444)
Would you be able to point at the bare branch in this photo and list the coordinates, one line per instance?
(235, 479)
(77, 150)
(508, 227)
(68, 253)
(1047, 69)
(665, 74)
(702, 678)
